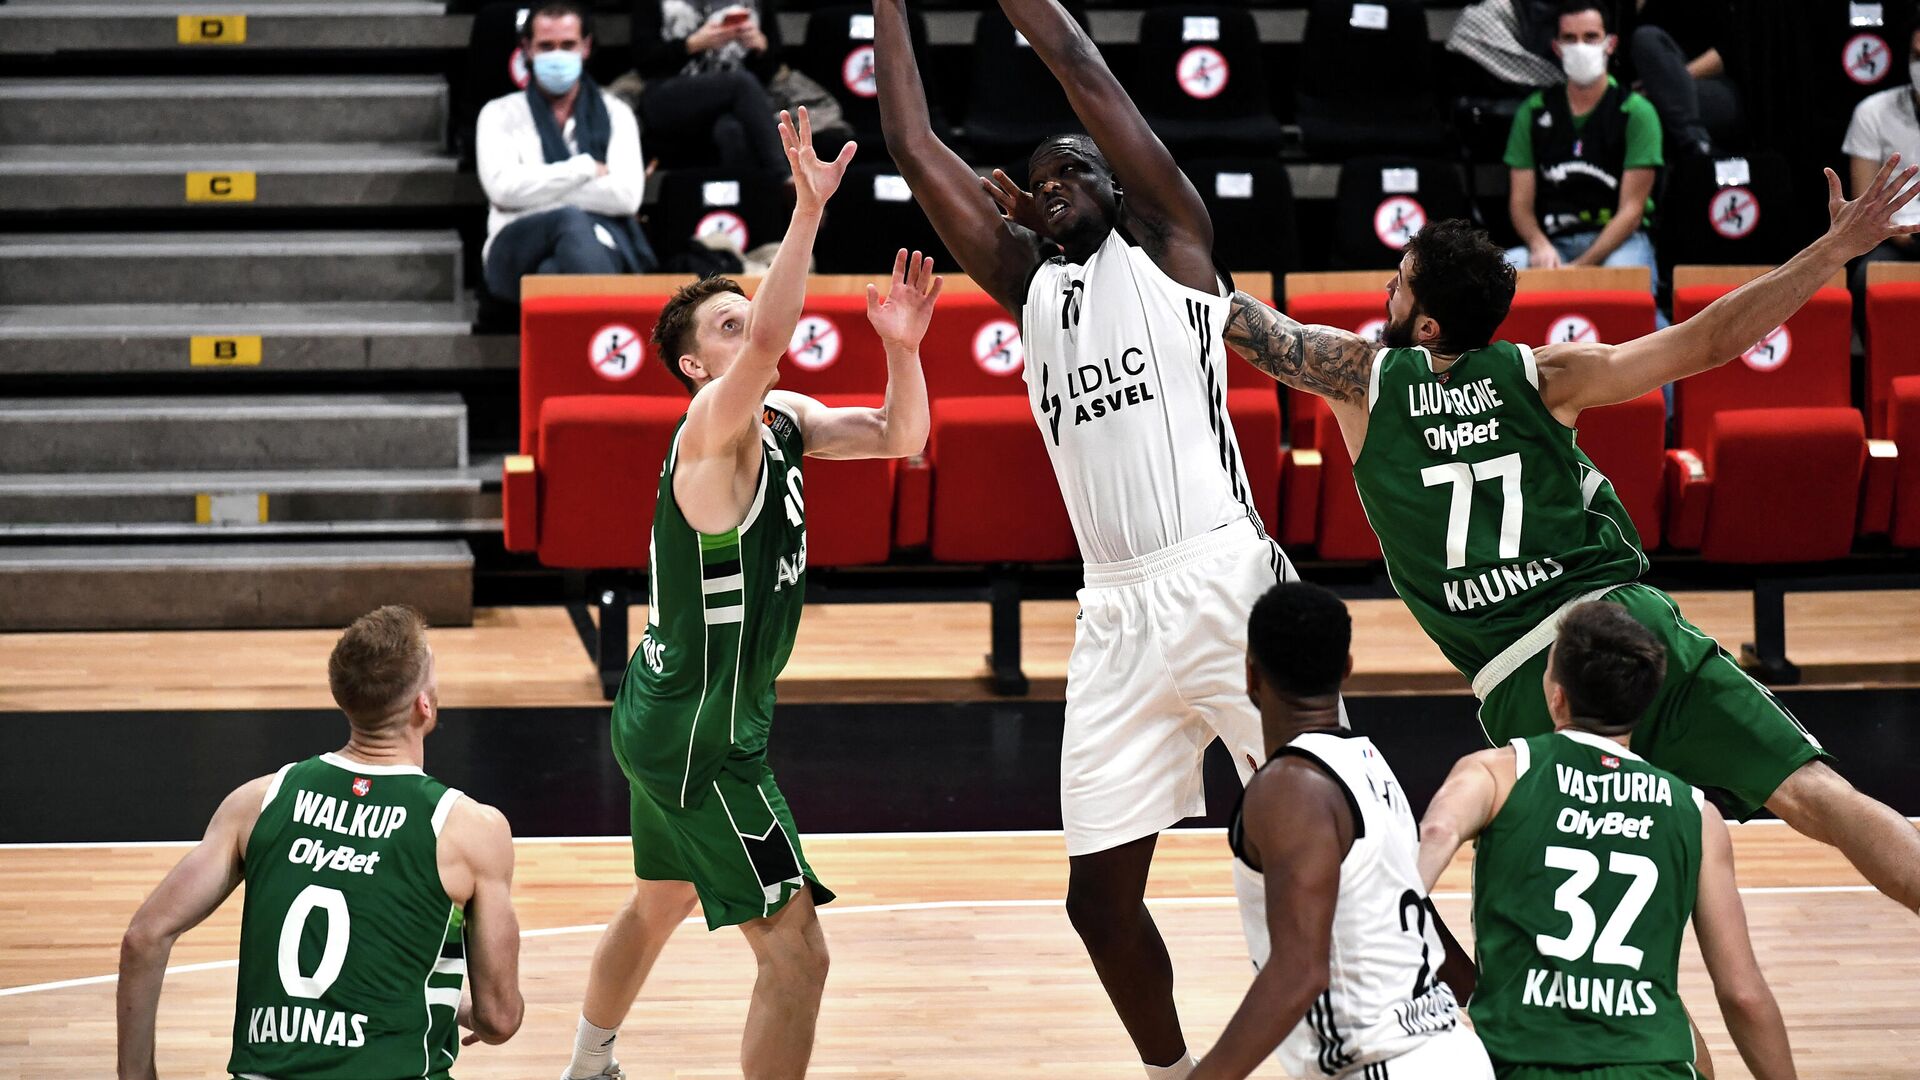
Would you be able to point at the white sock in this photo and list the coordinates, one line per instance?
(593, 1050)
(1176, 1071)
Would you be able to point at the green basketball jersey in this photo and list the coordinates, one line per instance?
(351, 954)
(1582, 887)
(722, 615)
(1489, 515)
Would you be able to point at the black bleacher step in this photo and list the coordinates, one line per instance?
(361, 501)
(229, 432)
(230, 268)
(87, 339)
(39, 27)
(164, 111)
(210, 177)
(231, 585)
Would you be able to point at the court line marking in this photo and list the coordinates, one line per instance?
(871, 909)
(960, 834)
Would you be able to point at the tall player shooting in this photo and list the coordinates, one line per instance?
(1351, 955)
(1578, 929)
(1146, 461)
(729, 559)
(374, 892)
(1494, 524)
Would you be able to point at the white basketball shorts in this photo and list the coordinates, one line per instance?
(1158, 671)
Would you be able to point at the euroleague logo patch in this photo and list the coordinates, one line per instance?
(1866, 59)
(1572, 328)
(1201, 72)
(726, 223)
(997, 348)
(1771, 352)
(857, 72)
(615, 352)
(816, 343)
(1397, 219)
(1733, 212)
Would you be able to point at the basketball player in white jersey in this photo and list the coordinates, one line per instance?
(1353, 962)
(1108, 266)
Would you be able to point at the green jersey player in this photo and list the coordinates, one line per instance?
(1494, 523)
(376, 896)
(729, 556)
(1589, 863)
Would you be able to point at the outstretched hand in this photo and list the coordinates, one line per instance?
(1016, 204)
(1862, 223)
(814, 181)
(901, 318)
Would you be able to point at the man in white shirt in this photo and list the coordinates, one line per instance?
(1885, 124)
(560, 164)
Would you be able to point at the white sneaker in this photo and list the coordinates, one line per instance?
(613, 1072)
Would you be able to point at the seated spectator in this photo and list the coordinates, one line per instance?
(1510, 43)
(1583, 158)
(1885, 124)
(703, 67)
(1699, 106)
(561, 165)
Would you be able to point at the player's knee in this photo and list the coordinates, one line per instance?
(669, 901)
(1096, 914)
(797, 959)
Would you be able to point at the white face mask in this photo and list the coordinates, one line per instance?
(1584, 63)
(1913, 73)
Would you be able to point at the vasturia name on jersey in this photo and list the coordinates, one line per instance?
(1126, 372)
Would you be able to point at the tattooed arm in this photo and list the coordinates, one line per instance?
(1321, 360)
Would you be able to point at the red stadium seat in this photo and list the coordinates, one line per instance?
(598, 411)
(1627, 442)
(1550, 315)
(1803, 363)
(1343, 531)
(1893, 344)
(1755, 455)
(994, 496)
(1903, 427)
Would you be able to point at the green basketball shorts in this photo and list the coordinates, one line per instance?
(1711, 723)
(1672, 1071)
(734, 840)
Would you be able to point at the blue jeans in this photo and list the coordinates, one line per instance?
(1635, 250)
(560, 241)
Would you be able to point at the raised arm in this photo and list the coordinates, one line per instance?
(1578, 375)
(898, 428)
(1169, 219)
(1298, 824)
(998, 254)
(190, 892)
(1720, 921)
(476, 865)
(1460, 809)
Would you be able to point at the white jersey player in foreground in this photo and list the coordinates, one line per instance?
(1109, 269)
(1356, 974)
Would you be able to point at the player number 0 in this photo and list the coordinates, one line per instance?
(333, 954)
(1611, 947)
(1463, 476)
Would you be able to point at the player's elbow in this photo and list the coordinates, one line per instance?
(144, 939)
(1749, 999)
(496, 1017)
(1436, 832)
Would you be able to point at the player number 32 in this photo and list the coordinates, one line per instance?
(1610, 947)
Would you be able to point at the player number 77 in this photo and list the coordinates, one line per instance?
(1463, 476)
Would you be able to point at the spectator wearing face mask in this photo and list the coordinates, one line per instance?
(560, 164)
(1583, 158)
(1885, 124)
(703, 67)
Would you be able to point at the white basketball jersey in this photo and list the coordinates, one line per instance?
(1126, 372)
(1383, 997)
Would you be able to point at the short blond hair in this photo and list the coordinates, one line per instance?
(378, 665)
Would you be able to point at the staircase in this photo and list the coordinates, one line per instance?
(223, 250)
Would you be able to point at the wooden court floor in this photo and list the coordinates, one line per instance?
(530, 656)
(953, 960)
